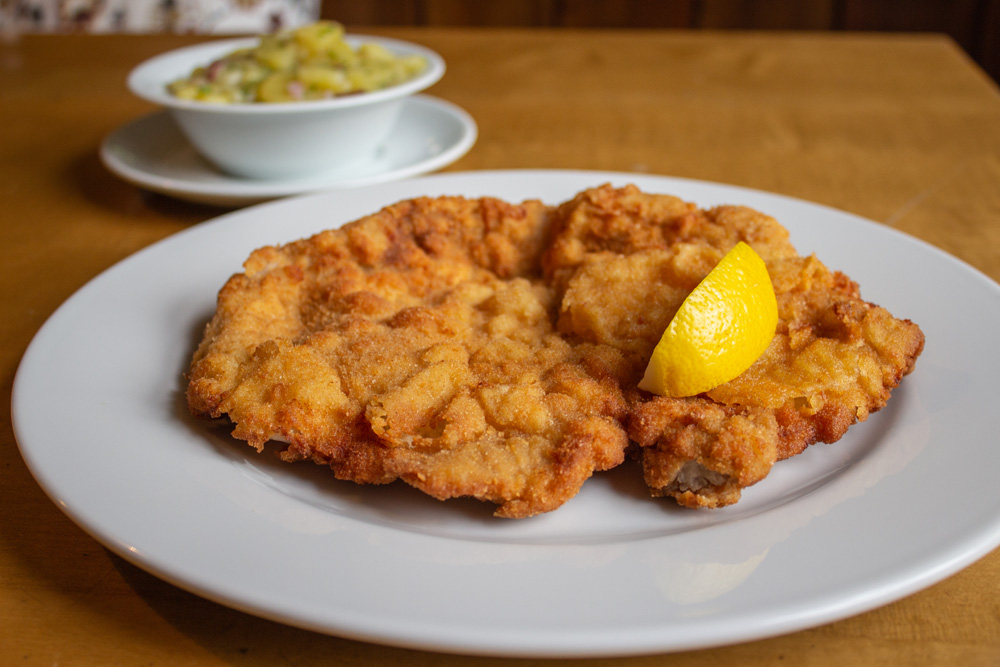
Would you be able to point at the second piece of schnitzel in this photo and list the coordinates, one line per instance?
(473, 347)
(832, 362)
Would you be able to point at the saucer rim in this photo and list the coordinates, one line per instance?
(240, 192)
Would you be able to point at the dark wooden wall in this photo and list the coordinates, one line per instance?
(974, 24)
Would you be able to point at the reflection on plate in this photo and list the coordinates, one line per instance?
(152, 153)
(832, 532)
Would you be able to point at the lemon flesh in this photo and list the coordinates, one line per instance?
(720, 330)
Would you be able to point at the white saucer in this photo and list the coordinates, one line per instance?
(152, 153)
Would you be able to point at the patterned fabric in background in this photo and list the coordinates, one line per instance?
(181, 16)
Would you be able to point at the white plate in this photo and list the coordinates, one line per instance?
(903, 501)
(152, 153)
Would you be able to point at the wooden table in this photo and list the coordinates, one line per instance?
(903, 130)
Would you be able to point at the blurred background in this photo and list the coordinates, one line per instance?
(973, 24)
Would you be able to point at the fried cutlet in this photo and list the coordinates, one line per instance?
(415, 344)
(472, 347)
(832, 362)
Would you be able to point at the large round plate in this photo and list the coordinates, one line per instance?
(100, 419)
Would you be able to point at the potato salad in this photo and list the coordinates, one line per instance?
(313, 62)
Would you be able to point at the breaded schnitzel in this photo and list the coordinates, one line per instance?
(832, 362)
(472, 347)
(415, 344)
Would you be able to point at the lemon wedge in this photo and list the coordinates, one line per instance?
(721, 328)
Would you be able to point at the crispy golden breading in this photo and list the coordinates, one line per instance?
(415, 344)
(486, 349)
(833, 360)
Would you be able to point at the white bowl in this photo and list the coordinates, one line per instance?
(286, 139)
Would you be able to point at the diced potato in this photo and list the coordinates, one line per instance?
(375, 53)
(342, 54)
(320, 37)
(277, 57)
(275, 88)
(412, 65)
(319, 78)
(185, 92)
